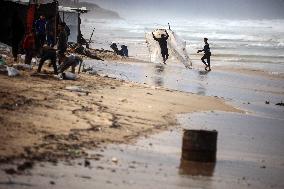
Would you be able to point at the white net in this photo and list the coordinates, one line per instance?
(176, 47)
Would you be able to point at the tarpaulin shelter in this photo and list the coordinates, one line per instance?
(71, 16)
(17, 17)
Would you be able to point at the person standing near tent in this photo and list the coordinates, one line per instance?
(29, 45)
(62, 42)
(40, 27)
(207, 54)
(163, 45)
(18, 32)
(67, 29)
(50, 32)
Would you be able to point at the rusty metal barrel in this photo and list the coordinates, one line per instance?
(199, 145)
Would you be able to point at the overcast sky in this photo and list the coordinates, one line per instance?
(257, 9)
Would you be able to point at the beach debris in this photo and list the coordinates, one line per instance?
(83, 109)
(100, 167)
(95, 157)
(34, 61)
(83, 176)
(114, 160)
(3, 69)
(41, 75)
(2, 61)
(67, 76)
(12, 72)
(199, 145)
(92, 72)
(280, 104)
(263, 167)
(115, 123)
(52, 182)
(108, 182)
(10, 171)
(86, 69)
(26, 165)
(124, 100)
(87, 163)
(23, 57)
(4, 55)
(77, 89)
(22, 66)
(267, 102)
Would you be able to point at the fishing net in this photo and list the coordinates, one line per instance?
(176, 48)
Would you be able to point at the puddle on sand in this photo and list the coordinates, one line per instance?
(249, 155)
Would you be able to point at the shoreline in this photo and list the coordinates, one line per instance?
(42, 120)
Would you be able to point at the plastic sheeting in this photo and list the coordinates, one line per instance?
(71, 19)
(176, 48)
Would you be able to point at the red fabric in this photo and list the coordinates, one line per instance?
(29, 42)
(30, 17)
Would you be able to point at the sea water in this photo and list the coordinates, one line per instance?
(257, 44)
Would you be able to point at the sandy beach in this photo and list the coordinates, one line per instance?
(102, 119)
(41, 118)
(120, 123)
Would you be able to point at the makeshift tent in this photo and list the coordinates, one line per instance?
(16, 17)
(71, 16)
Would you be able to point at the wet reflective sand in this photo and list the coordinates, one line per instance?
(249, 149)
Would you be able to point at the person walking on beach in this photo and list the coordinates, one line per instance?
(163, 45)
(207, 54)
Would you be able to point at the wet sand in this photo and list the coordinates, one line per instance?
(42, 119)
(248, 156)
(249, 145)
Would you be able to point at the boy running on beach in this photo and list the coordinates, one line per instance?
(207, 54)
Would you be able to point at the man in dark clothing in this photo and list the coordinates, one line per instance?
(206, 55)
(62, 42)
(50, 32)
(124, 50)
(70, 61)
(114, 47)
(29, 45)
(82, 41)
(48, 53)
(18, 31)
(163, 45)
(40, 26)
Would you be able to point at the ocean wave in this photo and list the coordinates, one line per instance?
(250, 58)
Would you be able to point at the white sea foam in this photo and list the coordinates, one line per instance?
(245, 41)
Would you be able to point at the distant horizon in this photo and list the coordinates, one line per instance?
(186, 9)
